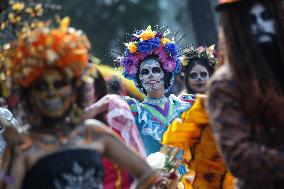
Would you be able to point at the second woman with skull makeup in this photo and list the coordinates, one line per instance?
(198, 66)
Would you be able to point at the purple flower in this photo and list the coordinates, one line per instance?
(169, 65)
(159, 35)
(131, 70)
(163, 56)
(134, 38)
(171, 49)
(125, 63)
(129, 66)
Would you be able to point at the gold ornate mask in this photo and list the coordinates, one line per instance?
(52, 94)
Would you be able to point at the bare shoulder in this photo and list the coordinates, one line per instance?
(93, 129)
(97, 126)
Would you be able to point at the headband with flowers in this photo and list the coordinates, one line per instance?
(39, 49)
(145, 43)
(201, 52)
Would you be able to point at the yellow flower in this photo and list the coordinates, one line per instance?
(18, 6)
(164, 41)
(147, 34)
(3, 25)
(132, 47)
(210, 50)
(183, 61)
(64, 24)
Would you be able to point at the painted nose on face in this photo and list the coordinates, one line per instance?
(199, 77)
(260, 25)
(50, 91)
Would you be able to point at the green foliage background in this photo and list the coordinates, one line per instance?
(106, 22)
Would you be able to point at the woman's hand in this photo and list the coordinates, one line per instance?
(98, 107)
(169, 181)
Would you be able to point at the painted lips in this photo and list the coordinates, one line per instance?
(152, 82)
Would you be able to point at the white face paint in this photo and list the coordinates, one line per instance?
(198, 78)
(52, 94)
(151, 75)
(262, 24)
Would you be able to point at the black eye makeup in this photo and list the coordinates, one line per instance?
(41, 86)
(59, 84)
(203, 74)
(156, 70)
(193, 75)
(144, 72)
(265, 15)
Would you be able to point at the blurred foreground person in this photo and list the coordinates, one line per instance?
(246, 102)
(56, 152)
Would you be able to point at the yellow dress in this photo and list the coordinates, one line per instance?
(192, 132)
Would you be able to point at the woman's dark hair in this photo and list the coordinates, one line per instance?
(252, 73)
(100, 85)
(191, 63)
(167, 75)
(244, 54)
(100, 91)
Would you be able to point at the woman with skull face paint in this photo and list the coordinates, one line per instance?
(198, 65)
(46, 66)
(193, 133)
(151, 61)
(246, 103)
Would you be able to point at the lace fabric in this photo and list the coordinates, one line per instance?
(119, 117)
(153, 119)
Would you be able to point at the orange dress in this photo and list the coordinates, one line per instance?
(192, 132)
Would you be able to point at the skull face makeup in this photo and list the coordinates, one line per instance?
(198, 78)
(52, 94)
(151, 75)
(262, 24)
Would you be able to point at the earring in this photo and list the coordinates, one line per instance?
(76, 114)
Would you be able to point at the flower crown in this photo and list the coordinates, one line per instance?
(201, 52)
(145, 43)
(37, 50)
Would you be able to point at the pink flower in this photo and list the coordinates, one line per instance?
(169, 65)
(131, 70)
